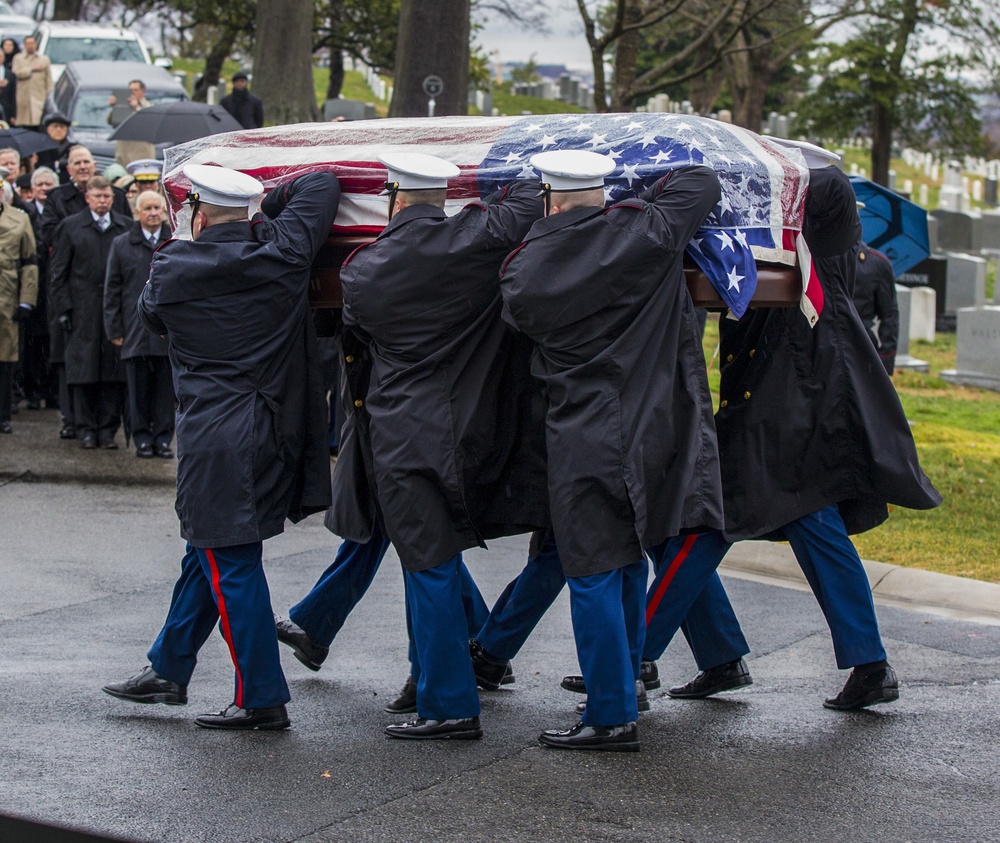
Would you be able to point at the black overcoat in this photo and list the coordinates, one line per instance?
(450, 398)
(251, 416)
(633, 458)
(124, 281)
(63, 201)
(808, 417)
(68, 199)
(76, 276)
(876, 303)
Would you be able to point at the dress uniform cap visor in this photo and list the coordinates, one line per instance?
(222, 186)
(816, 157)
(146, 169)
(417, 171)
(572, 169)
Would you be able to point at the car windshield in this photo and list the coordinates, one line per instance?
(65, 50)
(92, 109)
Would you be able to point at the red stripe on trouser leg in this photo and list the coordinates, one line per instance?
(661, 589)
(224, 622)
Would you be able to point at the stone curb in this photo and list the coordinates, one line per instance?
(909, 587)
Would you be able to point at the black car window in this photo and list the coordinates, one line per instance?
(92, 109)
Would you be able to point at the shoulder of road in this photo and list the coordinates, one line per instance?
(34, 453)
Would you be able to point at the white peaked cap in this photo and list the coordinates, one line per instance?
(815, 156)
(572, 169)
(417, 170)
(145, 167)
(222, 186)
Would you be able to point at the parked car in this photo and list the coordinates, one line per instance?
(66, 41)
(13, 25)
(82, 94)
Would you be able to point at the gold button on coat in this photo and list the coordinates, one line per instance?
(359, 403)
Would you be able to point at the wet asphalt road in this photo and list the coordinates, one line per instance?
(86, 573)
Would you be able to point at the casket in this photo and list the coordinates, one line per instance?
(745, 255)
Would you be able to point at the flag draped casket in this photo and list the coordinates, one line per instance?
(745, 253)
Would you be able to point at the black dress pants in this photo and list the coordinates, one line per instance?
(151, 400)
(97, 409)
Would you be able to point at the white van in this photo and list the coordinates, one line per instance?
(66, 41)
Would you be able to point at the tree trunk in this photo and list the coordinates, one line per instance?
(626, 52)
(282, 71)
(881, 143)
(336, 83)
(433, 41)
(220, 51)
(67, 10)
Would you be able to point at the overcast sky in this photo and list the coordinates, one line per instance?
(564, 43)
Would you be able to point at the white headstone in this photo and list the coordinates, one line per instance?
(977, 360)
(904, 299)
(966, 282)
(923, 307)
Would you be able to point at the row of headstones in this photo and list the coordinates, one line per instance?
(566, 89)
(955, 298)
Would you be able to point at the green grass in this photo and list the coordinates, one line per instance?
(957, 433)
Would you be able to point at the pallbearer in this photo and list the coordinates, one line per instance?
(631, 445)
(251, 424)
(443, 420)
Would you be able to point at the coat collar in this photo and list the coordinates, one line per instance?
(227, 232)
(413, 212)
(138, 234)
(564, 219)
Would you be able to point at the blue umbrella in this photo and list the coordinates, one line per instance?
(892, 225)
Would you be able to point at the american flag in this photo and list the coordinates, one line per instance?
(759, 217)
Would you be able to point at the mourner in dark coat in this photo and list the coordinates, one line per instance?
(57, 127)
(244, 106)
(63, 201)
(76, 297)
(443, 427)
(143, 352)
(875, 300)
(251, 424)
(631, 444)
(814, 446)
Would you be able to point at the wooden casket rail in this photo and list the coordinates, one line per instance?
(777, 286)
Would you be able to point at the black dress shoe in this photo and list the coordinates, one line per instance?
(421, 729)
(642, 701)
(623, 738)
(406, 702)
(144, 451)
(234, 717)
(307, 651)
(866, 688)
(725, 677)
(88, 441)
(490, 672)
(5, 427)
(164, 452)
(67, 432)
(147, 686)
(647, 673)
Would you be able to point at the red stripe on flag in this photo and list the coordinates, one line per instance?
(224, 622)
(661, 589)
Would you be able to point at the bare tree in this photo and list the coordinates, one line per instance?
(283, 61)
(617, 27)
(433, 42)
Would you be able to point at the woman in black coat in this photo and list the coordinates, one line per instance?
(8, 81)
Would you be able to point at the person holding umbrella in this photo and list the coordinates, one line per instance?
(127, 151)
(56, 126)
(875, 301)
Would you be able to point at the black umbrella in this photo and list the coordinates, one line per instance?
(175, 122)
(26, 141)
